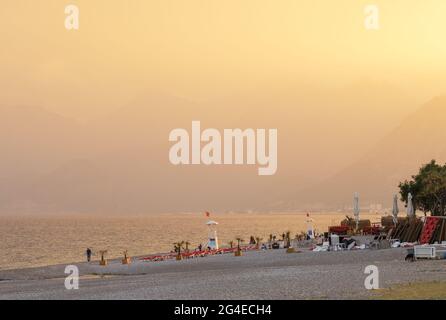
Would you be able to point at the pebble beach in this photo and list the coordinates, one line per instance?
(270, 274)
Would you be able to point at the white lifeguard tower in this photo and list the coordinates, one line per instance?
(310, 229)
(212, 234)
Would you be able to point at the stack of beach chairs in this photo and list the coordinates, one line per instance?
(432, 230)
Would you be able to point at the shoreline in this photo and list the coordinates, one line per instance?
(48, 241)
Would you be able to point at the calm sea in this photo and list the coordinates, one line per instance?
(39, 241)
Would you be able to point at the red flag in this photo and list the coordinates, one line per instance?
(207, 214)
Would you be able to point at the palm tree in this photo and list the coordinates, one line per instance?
(186, 247)
(258, 239)
(288, 238)
(103, 262)
(126, 259)
(271, 238)
(239, 250)
(231, 244)
(239, 241)
(289, 249)
(178, 246)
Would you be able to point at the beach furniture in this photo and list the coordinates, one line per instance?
(275, 245)
(197, 253)
(424, 252)
(290, 250)
(380, 242)
(351, 245)
(334, 239)
(342, 229)
(435, 251)
(337, 247)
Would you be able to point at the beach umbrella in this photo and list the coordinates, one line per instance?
(410, 209)
(356, 208)
(395, 209)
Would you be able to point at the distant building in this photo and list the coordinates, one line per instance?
(375, 207)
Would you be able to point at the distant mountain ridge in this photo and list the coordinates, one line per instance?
(118, 163)
(420, 138)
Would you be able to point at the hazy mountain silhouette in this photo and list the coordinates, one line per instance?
(33, 141)
(417, 140)
(119, 163)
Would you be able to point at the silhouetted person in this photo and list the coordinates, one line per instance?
(88, 252)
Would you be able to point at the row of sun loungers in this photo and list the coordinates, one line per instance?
(195, 253)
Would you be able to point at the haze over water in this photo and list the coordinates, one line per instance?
(85, 115)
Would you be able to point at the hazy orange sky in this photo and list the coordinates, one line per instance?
(205, 49)
(102, 100)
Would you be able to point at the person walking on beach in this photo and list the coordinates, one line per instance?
(88, 252)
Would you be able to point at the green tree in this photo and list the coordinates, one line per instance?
(428, 189)
(258, 239)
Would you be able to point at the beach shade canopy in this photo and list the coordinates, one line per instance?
(211, 222)
(410, 209)
(356, 206)
(395, 209)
